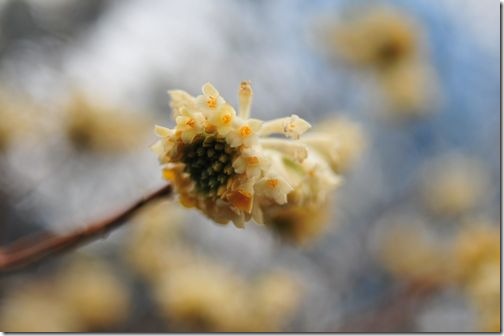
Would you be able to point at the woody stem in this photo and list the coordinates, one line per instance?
(29, 250)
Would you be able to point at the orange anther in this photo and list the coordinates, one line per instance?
(245, 131)
(212, 102)
(226, 118)
(252, 160)
(273, 183)
(191, 123)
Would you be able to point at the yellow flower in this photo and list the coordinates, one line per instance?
(83, 297)
(34, 307)
(94, 292)
(18, 117)
(474, 246)
(298, 224)
(91, 126)
(189, 126)
(211, 100)
(381, 38)
(406, 247)
(244, 134)
(453, 185)
(478, 265)
(484, 288)
(180, 101)
(275, 187)
(410, 88)
(224, 164)
(388, 42)
(204, 297)
(292, 127)
(251, 163)
(276, 296)
(153, 245)
(223, 119)
(341, 142)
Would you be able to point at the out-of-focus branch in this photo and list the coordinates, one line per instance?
(32, 249)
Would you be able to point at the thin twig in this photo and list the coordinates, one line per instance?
(27, 251)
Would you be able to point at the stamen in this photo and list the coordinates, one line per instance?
(252, 160)
(291, 127)
(272, 183)
(212, 102)
(191, 123)
(226, 118)
(296, 151)
(245, 131)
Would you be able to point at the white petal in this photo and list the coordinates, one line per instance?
(158, 148)
(257, 214)
(255, 124)
(274, 187)
(291, 127)
(162, 132)
(209, 90)
(295, 150)
(296, 126)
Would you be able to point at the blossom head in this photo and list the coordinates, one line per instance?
(100, 128)
(477, 261)
(224, 163)
(409, 250)
(18, 116)
(203, 296)
(380, 39)
(453, 184)
(299, 225)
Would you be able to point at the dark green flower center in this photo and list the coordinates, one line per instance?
(208, 160)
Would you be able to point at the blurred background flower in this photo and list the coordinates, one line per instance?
(406, 92)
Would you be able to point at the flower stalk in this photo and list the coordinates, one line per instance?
(27, 251)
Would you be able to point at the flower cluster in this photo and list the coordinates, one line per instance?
(389, 43)
(380, 39)
(477, 261)
(408, 249)
(17, 118)
(87, 295)
(224, 163)
(187, 286)
(208, 297)
(95, 127)
(453, 184)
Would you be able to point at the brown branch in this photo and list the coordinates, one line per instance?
(32, 249)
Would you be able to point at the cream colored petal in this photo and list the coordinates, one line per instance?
(296, 126)
(292, 127)
(181, 100)
(255, 124)
(162, 132)
(240, 165)
(209, 90)
(158, 148)
(188, 136)
(274, 187)
(233, 139)
(180, 95)
(257, 213)
(297, 151)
